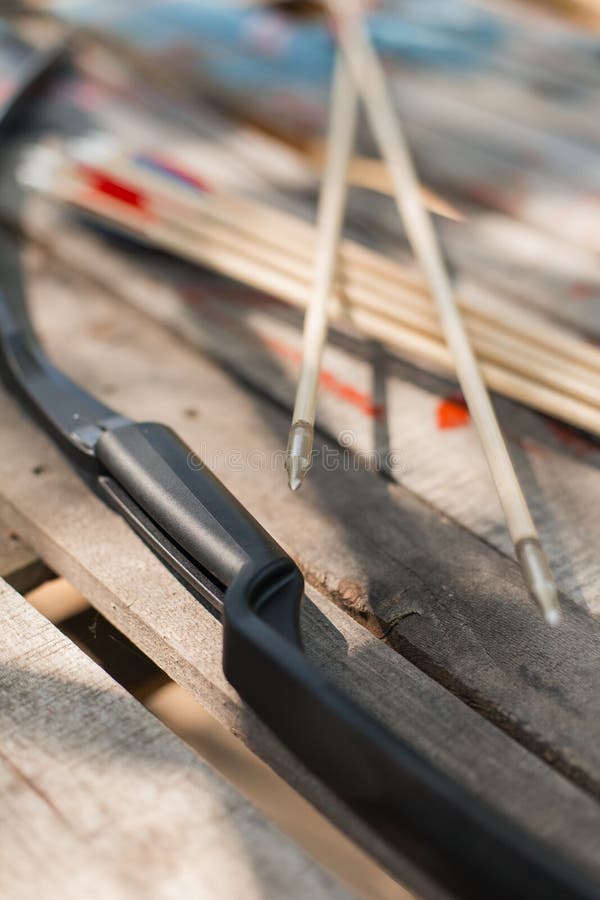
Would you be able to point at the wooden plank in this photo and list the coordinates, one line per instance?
(14, 555)
(261, 341)
(19, 565)
(370, 544)
(100, 799)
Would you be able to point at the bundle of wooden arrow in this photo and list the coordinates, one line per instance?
(159, 200)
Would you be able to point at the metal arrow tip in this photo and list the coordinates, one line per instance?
(299, 453)
(295, 474)
(539, 579)
(553, 616)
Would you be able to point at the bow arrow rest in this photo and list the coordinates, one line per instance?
(222, 554)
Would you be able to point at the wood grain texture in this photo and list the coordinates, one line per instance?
(14, 555)
(100, 800)
(19, 565)
(541, 687)
(369, 544)
(560, 471)
(387, 409)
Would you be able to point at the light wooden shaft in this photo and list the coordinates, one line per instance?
(400, 303)
(398, 333)
(370, 81)
(342, 131)
(534, 347)
(292, 243)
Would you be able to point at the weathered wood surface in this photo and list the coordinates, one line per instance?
(14, 555)
(559, 470)
(101, 800)
(19, 565)
(367, 543)
(465, 618)
(261, 342)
